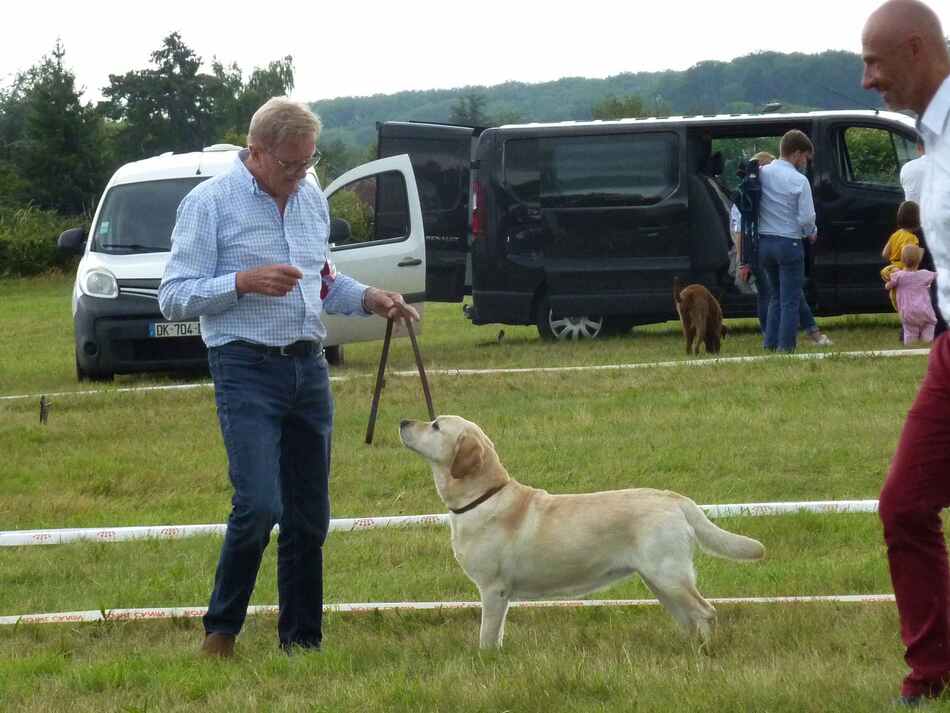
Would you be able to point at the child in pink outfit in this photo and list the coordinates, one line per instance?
(913, 296)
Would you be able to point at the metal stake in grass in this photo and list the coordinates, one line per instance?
(380, 378)
(44, 409)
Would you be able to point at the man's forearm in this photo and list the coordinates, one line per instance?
(189, 298)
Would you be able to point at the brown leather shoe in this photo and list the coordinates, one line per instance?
(220, 645)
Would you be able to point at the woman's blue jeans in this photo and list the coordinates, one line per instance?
(276, 415)
(783, 262)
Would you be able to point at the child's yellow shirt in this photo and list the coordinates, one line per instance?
(896, 243)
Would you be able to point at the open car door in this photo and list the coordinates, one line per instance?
(441, 158)
(384, 245)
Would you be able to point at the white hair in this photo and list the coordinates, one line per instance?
(278, 119)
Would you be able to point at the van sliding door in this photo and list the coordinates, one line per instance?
(607, 215)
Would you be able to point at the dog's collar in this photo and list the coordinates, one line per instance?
(478, 501)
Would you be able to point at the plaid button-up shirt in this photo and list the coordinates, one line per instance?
(229, 224)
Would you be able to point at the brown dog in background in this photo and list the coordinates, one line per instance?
(701, 317)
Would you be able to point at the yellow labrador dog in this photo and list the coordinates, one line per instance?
(518, 542)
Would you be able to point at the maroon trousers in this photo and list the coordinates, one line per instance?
(916, 490)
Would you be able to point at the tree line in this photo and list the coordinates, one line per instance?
(829, 80)
(57, 151)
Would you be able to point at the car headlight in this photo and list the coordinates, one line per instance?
(99, 283)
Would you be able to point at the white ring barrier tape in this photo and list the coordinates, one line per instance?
(806, 356)
(17, 538)
(195, 612)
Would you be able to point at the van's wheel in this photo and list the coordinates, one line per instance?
(334, 355)
(563, 327)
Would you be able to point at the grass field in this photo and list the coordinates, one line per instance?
(778, 430)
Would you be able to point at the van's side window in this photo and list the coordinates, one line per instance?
(736, 151)
(590, 171)
(376, 207)
(523, 171)
(873, 156)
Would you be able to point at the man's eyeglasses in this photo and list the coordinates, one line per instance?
(296, 166)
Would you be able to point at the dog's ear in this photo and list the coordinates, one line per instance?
(469, 456)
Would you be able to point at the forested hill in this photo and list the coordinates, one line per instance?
(830, 80)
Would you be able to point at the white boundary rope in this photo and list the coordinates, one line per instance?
(195, 612)
(16, 538)
(808, 356)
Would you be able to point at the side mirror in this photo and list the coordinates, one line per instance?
(72, 241)
(340, 232)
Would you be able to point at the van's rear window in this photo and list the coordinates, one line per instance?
(440, 167)
(139, 217)
(592, 171)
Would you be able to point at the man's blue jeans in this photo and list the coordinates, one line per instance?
(806, 318)
(783, 261)
(276, 415)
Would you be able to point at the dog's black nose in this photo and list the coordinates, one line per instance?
(405, 422)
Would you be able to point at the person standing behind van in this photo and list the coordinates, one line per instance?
(912, 174)
(786, 217)
(906, 60)
(912, 179)
(806, 319)
(250, 257)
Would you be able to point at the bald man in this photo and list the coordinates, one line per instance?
(906, 60)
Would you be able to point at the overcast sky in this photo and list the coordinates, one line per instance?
(347, 48)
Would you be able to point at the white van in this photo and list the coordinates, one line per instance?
(377, 237)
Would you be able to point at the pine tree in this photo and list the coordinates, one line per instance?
(56, 154)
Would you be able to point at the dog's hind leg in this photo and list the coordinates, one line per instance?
(494, 611)
(685, 604)
(672, 579)
(690, 333)
(700, 324)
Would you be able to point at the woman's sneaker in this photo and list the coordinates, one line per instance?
(820, 339)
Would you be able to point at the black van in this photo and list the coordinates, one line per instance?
(580, 227)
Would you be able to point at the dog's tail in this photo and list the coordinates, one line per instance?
(677, 288)
(716, 541)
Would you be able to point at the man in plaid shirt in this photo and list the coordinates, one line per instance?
(251, 259)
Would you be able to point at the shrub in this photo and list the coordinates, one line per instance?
(28, 240)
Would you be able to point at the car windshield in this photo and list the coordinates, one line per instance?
(139, 217)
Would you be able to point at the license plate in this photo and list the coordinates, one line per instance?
(174, 329)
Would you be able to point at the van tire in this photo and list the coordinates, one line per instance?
(334, 355)
(553, 326)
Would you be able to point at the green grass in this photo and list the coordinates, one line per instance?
(777, 430)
